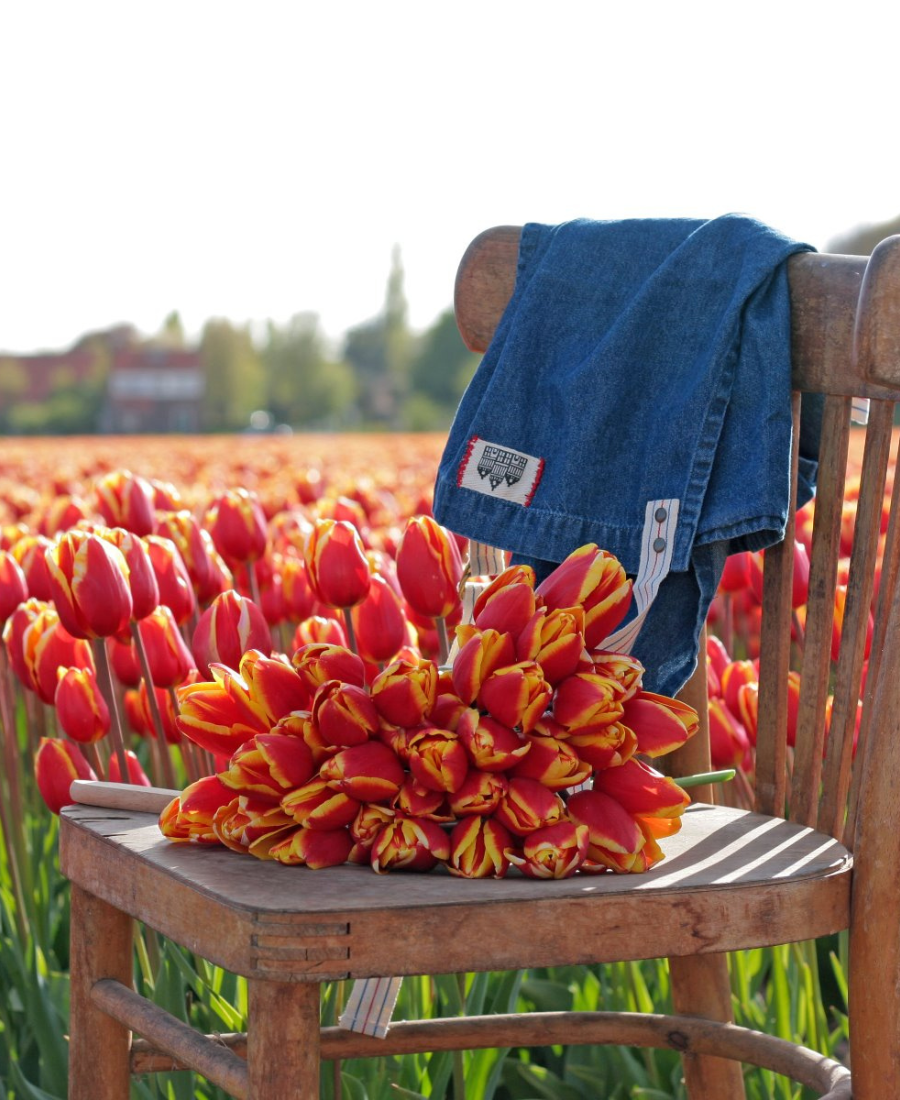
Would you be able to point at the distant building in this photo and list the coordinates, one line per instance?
(150, 386)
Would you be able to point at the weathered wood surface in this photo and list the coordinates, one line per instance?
(99, 1067)
(730, 879)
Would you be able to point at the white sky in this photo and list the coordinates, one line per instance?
(258, 159)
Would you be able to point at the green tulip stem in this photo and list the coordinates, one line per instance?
(104, 674)
(254, 584)
(351, 633)
(705, 777)
(443, 640)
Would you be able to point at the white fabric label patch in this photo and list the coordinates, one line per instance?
(500, 472)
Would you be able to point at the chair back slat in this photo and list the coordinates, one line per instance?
(856, 620)
(890, 575)
(817, 635)
(775, 655)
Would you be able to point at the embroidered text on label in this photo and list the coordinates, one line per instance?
(499, 471)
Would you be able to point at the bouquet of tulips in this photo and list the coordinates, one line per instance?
(528, 749)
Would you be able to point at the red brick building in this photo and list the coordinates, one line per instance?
(148, 386)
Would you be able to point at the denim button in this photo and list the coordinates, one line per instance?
(659, 545)
(660, 514)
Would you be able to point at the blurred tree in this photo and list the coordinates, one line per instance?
(234, 376)
(306, 387)
(862, 240)
(13, 386)
(380, 350)
(172, 330)
(439, 373)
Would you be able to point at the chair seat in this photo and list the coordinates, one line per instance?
(731, 879)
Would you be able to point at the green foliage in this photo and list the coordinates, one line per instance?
(306, 387)
(441, 368)
(234, 374)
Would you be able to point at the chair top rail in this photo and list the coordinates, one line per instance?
(825, 295)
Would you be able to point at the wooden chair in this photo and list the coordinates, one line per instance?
(732, 879)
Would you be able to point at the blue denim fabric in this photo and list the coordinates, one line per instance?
(641, 360)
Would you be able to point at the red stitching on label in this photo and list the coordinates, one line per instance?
(465, 461)
(537, 481)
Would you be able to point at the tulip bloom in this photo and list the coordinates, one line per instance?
(437, 759)
(252, 824)
(175, 588)
(554, 852)
(512, 575)
(344, 714)
(367, 824)
(369, 772)
(140, 714)
(13, 586)
(733, 676)
(337, 565)
(492, 747)
(615, 839)
(80, 708)
(480, 793)
(415, 800)
(315, 805)
(509, 610)
(137, 777)
(429, 567)
(409, 844)
(141, 578)
(204, 565)
(168, 657)
(595, 580)
(319, 629)
(379, 623)
(30, 551)
(736, 573)
(642, 791)
(273, 685)
(728, 740)
(478, 847)
(318, 662)
(314, 848)
(554, 763)
(482, 654)
(661, 724)
(38, 645)
(189, 817)
(56, 764)
(219, 715)
(230, 626)
(528, 806)
(555, 639)
(405, 692)
(299, 597)
(587, 702)
(89, 583)
(237, 525)
(516, 695)
(625, 670)
(606, 747)
(125, 500)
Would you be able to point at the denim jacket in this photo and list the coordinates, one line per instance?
(636, 361)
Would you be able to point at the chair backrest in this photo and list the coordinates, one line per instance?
(845, 345)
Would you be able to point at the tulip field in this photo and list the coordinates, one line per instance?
(276, 628)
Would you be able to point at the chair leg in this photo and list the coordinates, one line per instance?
(283, 1040)
(700, 987)
(99, 1046)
